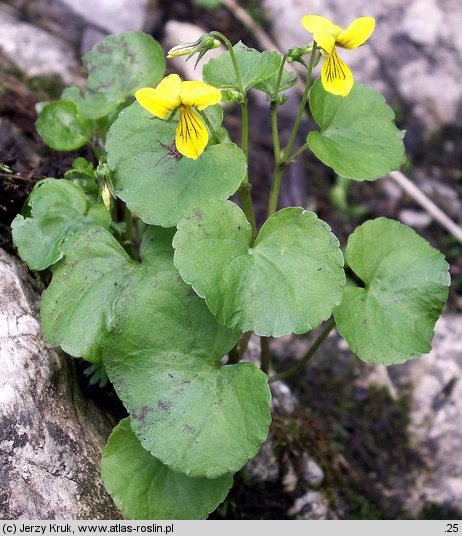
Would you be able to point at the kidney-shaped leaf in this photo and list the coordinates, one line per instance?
(144, 488)
(120, 64)
(406, 281)
(58, 208)
(76, 305)
(61, 126)
(156, 249)
(288, 281)
(357, 136)
(163, 356)
(156, 183)
(254, 67)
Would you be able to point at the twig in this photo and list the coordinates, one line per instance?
(435, 212)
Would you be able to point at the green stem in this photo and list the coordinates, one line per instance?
(296, 368)
(244, 190)
(265, 355)
(128, 225)
(236, 353)
(275, 189)
(247, 208)
(209, 126)
(301, 109)
(299, 151)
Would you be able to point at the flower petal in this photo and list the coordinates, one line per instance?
(191, 135)
(163, 99)
(323, 30)
(336, 76)
(199, 95)
(357, 33)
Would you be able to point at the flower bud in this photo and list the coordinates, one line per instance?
(296, 53)
(205, 43)
(106, 197)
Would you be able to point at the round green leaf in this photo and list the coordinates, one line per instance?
(91, 106)
(357, 136)
(58, 208)
(254, 67)
(163, 356)
(156, 249)
(288, 281)
(158, 185)
(144, 488)
(76, 305)
(61, 126)
(120, 64)
(406, 281)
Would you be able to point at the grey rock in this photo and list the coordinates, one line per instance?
(289, 479)
(111, 15)
(51, 437)
(415, 218)
(35, 51)
(312, 473)
(436, 417)
(311, 506)
(265, 466)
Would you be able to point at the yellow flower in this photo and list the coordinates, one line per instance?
(172, 94)
(335, 75)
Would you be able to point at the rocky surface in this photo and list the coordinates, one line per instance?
(51, 437)
(414, 56)
(436, 417)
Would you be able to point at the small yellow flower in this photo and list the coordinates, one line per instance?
(172, 94)
(335, 74)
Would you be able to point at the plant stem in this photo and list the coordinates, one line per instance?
(317, 343)
(298, 152)
(128, 225)
(247, 208)
(265, 355)
(236, 353)
(244, 190)
(282, 160)
(301, 109)
(209, 126)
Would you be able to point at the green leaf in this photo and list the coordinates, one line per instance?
(144, 488)
(91, 106)
(358, 137)
(288, 80)
(77, 304)
(406, 281)
(120, 64)
(254, 68)
(58, 208)
(156, 248)
(156, 184)
(61, 126)
(288, 281)
(163, 356)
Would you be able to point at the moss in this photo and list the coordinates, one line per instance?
(438, 511)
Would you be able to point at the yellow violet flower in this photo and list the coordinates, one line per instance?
(335, 74)
(172, 94)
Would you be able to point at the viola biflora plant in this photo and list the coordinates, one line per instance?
(156, 302)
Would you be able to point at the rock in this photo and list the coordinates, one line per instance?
(312, 505)
(265, 466)
(175, 33)
(290, 479)
(312, 473)
(410, 49)
(113, 16)
(37, 52)
(51, 437)
(436, 416)
(415, 218)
